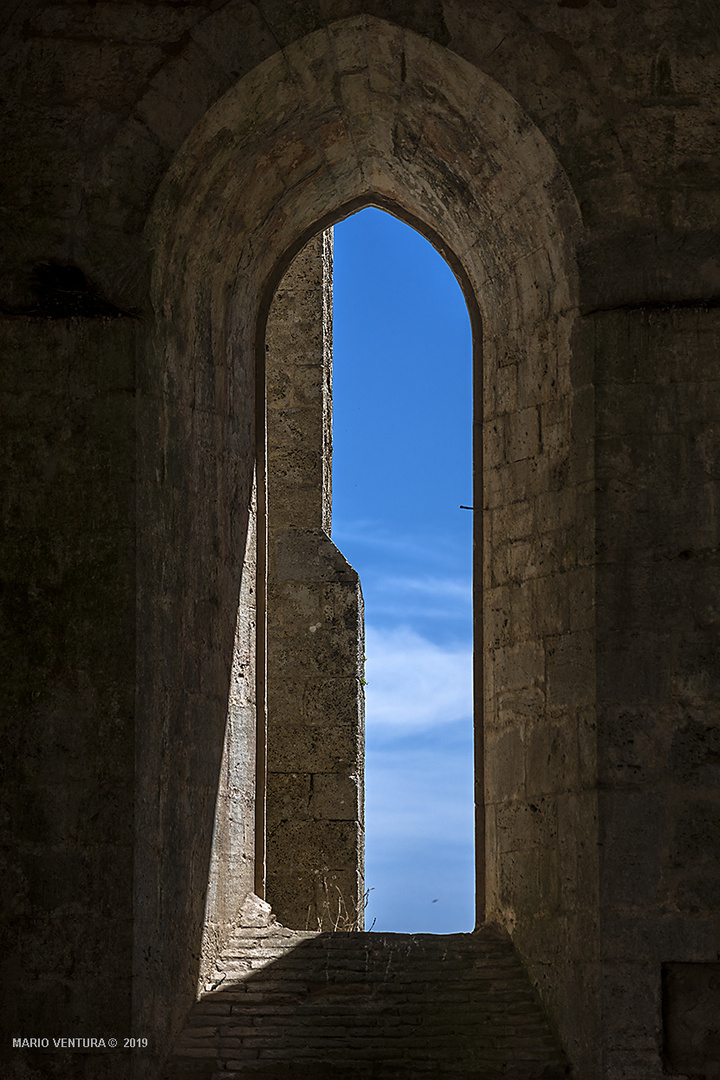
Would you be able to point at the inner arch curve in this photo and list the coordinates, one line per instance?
(308, 136)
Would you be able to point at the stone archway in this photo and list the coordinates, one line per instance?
(364, 113)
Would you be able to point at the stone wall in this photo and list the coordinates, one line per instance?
(197, 627)
(658, 670)
(539, 717)
(68, 640)
(162, 165)
(315, 734)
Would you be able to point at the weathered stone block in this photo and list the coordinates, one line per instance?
(633, 844)
(335, 797)
(527, 705)
(526, 825)
(314, 845)
(98, 70)
(310, 748)
(104, 22)
(551, 757)
(335, 698)
(570, 670)
(550, 604)
(513, 522)
(690, 1008)
(632, 747)
(288, 796)
(632, 671)
(696, 836)
(505, 752)
(520, 667)
(522, 435)
(694, 757)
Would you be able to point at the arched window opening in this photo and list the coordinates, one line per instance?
(390, 495)
(402, 468)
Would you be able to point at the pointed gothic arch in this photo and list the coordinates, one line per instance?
(365, 113)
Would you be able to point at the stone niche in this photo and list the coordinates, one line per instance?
(315, 628)
(691, 1020)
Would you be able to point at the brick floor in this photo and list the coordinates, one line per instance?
(367, 1006)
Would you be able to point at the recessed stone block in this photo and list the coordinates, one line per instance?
(691, 1019)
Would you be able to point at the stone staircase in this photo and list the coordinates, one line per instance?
(366, 1006)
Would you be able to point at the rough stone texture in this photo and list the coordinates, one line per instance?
(298, 374)
(315, 734)
(658, 652)
(68, 558)
(317, 1005)
(196, 638)
(162, 165)
(691, 1019)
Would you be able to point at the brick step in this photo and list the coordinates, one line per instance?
(347, 942)
(294, 970)
(291, 1005)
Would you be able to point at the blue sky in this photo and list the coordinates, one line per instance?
(401, 469)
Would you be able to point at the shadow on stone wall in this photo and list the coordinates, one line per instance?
(368, 1005)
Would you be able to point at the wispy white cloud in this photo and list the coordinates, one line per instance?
(368, 533)
(417, 599)
(419, 819)
(433, 546)
(413, 683)
(425, 586)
